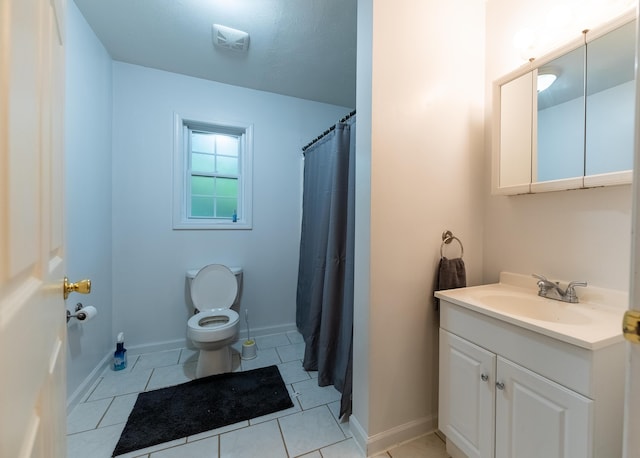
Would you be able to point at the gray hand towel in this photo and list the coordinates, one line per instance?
(451, 274)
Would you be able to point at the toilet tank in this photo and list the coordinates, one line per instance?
(237, 271)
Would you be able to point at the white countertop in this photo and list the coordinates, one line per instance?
(594, 322)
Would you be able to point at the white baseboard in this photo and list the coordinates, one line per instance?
(269, 330)
(80, 392)
(184, 343)
(453, 450)
(358, 433)
(381, 442)
(157, 346)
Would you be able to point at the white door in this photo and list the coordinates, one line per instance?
(631, 446)
(466, 395)
(32, 311)
(536, 417)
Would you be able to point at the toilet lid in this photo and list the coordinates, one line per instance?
(214, 287)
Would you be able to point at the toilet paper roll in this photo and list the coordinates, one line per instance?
(87, 313)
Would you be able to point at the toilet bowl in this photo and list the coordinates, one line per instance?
(213, 290)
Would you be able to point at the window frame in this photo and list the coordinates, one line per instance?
(182, 173)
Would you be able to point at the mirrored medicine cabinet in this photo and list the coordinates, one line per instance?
(579, 131)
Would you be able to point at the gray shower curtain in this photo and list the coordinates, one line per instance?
(324, 310)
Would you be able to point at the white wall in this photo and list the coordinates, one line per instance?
(570, 235)
(426, 153)
(149, 258)
(87, 194)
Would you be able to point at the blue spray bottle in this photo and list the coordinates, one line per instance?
(120, 355)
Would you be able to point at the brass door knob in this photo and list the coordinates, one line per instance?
(631, 326)
(82, 287)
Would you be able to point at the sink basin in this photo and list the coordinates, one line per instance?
(535, 307)
(592, 323)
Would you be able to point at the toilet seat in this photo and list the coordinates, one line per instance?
(213, 325)
(214, 287)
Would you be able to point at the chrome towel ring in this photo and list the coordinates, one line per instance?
(447, 237)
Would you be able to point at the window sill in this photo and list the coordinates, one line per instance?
(208, 225)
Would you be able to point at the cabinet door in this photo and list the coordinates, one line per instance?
(536, 417)
(513, 152)
(467, 395)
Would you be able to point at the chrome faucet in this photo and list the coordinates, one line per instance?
(552, 290)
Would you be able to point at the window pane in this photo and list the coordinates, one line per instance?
(225, 207)
(227, 145)
(202, 207)
(203, 163)
(203, 186)
(227, 187)
(228, 165)
(203, 143)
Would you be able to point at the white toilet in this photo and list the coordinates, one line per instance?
(214, 289)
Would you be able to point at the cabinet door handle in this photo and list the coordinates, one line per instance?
(500, 385)
(484, 377)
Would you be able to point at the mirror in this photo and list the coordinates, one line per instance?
(560, 114)
(579, 131)
(610, 109)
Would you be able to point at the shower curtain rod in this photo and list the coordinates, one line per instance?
(328, 130)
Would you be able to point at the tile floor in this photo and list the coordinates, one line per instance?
(310, 429)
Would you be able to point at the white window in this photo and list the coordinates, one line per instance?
(212, 173)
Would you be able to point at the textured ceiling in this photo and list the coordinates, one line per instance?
(300, 48)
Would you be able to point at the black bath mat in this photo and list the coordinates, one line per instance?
(200, 405)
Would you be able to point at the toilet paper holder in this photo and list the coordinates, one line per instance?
(79, 314)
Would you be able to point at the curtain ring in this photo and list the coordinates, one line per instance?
(447, 237)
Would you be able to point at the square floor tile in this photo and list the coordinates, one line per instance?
(163, 377)
(158, 359)
(122, 383)
(291, 352)
(295, 337)
(96, 443)
(262, 440)
(263, 358)
(237, 345)
(344, 449)
(293, 371)
(154, 448)
(119, 410)
(311, 395)
(217, 431)
(109, 371)
(310, 430)
(85, 396)
(334, 407)
(86, 415)
(274, 340)
(280, 413)
(205, 448)
(429, 445)
(314, 454)
(188, 355)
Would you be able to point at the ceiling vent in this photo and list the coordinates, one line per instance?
(228, 38)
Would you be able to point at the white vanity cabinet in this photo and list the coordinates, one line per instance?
(536, 417)
(467, 395)
(509, 392)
